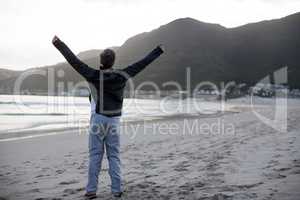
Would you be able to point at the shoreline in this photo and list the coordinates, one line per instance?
(20, 135)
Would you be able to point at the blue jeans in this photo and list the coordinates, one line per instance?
(104, 134)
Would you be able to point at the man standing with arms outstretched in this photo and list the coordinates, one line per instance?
(107, 86)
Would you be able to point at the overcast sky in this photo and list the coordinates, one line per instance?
(27, 26)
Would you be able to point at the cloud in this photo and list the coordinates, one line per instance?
(27, 26)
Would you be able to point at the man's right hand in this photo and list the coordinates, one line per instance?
(162, 47)
(55, 39)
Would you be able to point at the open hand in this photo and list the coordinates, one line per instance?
(162, 47)
(55, 39)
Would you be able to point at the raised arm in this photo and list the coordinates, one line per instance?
(82, 68)
(137, 67)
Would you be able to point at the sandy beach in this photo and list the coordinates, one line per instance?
(166, 159)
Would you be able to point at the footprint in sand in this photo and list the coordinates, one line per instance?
(199, 184)
(218, 196)
(68, 182)
(31, 183)
(70, 191)
(185, 189)
(215, 174)
(275, 176)
(282, 169)
(45, 169)
(272, 163)
(34, 190)
(83, 165)
(277, 156)
(281, 149)
(297, 171)
(182, 166)
(42, 175)
(150, 176)
(146, 184)
(296, 162)
(60, 171)
(4, 166)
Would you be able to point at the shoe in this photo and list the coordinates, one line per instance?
(90, 195)
(118, 194)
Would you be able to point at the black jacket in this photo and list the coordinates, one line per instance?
(107, 86)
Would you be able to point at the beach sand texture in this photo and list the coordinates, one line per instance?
(256, 162)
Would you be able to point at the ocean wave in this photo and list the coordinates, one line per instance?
(42, 103)
(34, 114)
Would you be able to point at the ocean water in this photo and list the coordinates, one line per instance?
(25, 114)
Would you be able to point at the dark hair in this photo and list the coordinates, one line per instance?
(107, 58)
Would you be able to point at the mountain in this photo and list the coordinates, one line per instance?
(89, 54)
(212, 52)
(6, 74)
(93, 53)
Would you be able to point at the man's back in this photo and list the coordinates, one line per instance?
(107, 86)
(107, 92)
